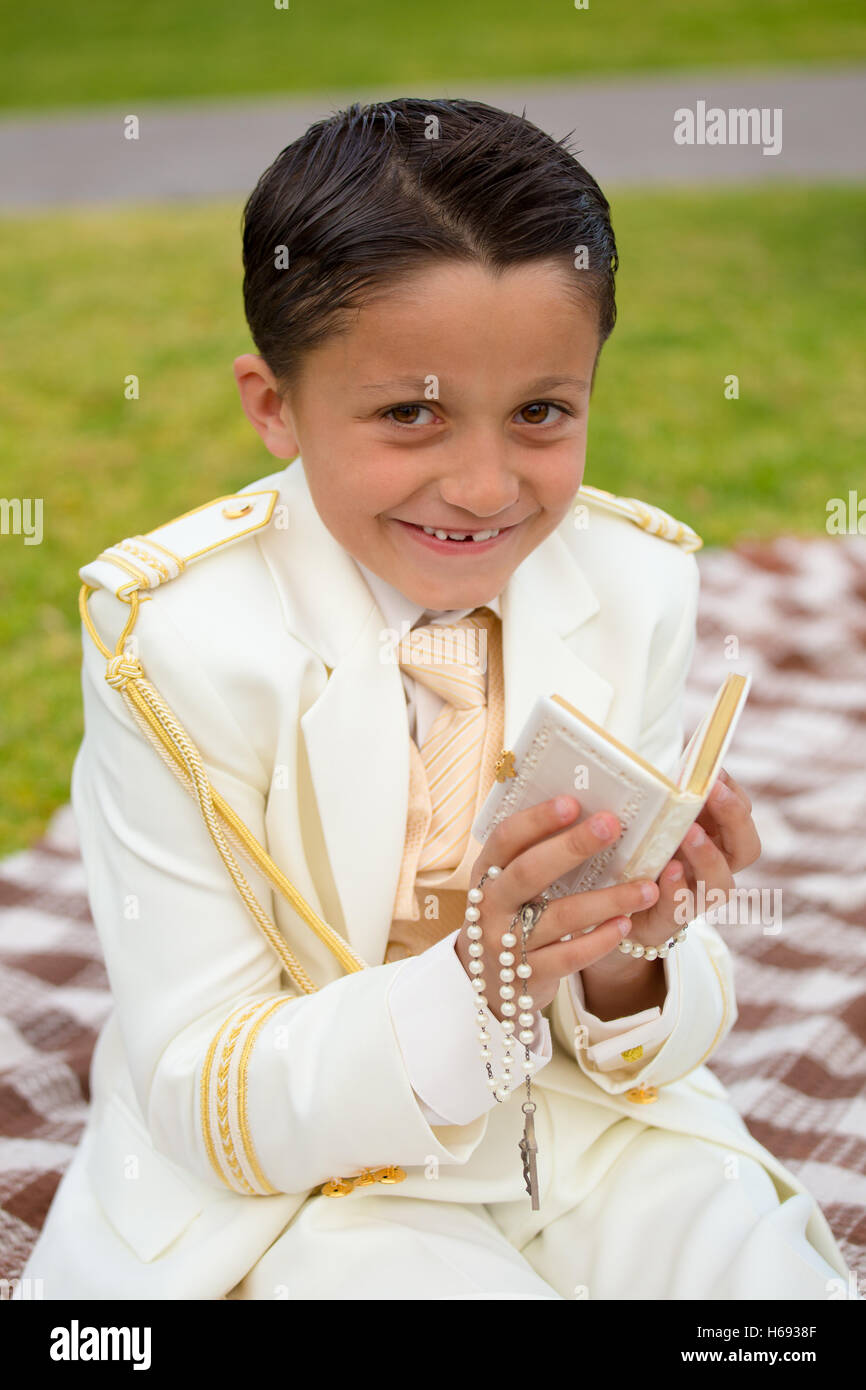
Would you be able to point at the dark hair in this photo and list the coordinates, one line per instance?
(373, 193)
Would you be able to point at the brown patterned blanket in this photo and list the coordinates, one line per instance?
(791, 611)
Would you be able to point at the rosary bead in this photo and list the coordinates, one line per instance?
(474, 933)
(483, 1036)
(526, 1020)
(525, 1001)
(524, 971)
(472, 914)
(626, 947)
(506, 958)
(486, 1054)
(509, 1009)
(664, 952)
(650, 953)
(475, 895)
(509, 939)
(637, 949)
(492, 1082)
(476, 967)
(527, 1065)
(506, 991)
(681, 935)
(476, 949)
(506, 976)
(494, 871)
(526, 1035)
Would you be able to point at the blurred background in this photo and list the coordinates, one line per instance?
(122, 257)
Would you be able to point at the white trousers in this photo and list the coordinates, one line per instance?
(670, 1218)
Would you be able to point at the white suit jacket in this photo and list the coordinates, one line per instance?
(462, 1093)
(221, 1098)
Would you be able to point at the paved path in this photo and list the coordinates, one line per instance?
(623, 133)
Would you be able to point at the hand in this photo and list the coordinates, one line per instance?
(722, 841)
(532, 855)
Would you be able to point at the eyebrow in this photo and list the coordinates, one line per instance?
(419, 384)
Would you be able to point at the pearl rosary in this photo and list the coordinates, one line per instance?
(502, 1086)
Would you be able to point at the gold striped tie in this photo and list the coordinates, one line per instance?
(452, 661)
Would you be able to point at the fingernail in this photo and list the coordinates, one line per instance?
(721, 792)
(601, 826)
(624, 924)
(695, 836)
(564, 807)
(673, 872)
(648, 892)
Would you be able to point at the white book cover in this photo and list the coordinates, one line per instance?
(561, 752)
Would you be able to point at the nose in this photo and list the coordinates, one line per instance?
(480, 481)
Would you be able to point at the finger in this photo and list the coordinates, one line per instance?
(728, 781)
(735, 834)
(666, 917)
(562, 958)
(536, 868)
(579, 913)
(708, 863)
(518, 832)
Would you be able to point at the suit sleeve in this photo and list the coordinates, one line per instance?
(239, 1077)
(700, 1000)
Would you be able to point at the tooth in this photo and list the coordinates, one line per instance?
(429, 530)
(485, 535)
(442, 535)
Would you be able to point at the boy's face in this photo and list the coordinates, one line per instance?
(457, 402)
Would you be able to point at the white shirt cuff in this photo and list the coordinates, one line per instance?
(605, 1041)
(433, 1009)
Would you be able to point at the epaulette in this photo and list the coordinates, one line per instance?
(131, 570)
(140, 563)
(643, 514)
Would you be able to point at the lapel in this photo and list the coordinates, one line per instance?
(357, 732)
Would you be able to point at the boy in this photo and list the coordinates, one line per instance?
(449, 263)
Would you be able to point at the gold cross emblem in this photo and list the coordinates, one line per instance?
(504, 765)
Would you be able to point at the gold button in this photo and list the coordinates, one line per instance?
(336, 1188)
(631, 1054)
(390, 1174)
(642, 1095)
(234, 510)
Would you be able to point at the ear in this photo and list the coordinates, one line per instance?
(264, 407)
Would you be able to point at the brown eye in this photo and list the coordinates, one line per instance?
(408, 410)
(532, 416)
(532, 411)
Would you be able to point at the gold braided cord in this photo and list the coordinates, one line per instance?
(222, 1102)
(242, 1118)
(204, 1116)
(205, 1098)
(126, 675)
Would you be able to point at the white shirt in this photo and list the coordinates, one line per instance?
(432, 1000)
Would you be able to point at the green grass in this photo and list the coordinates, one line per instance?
(60, 54)
(766, 284)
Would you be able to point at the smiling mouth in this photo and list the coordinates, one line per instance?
(469, 539)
